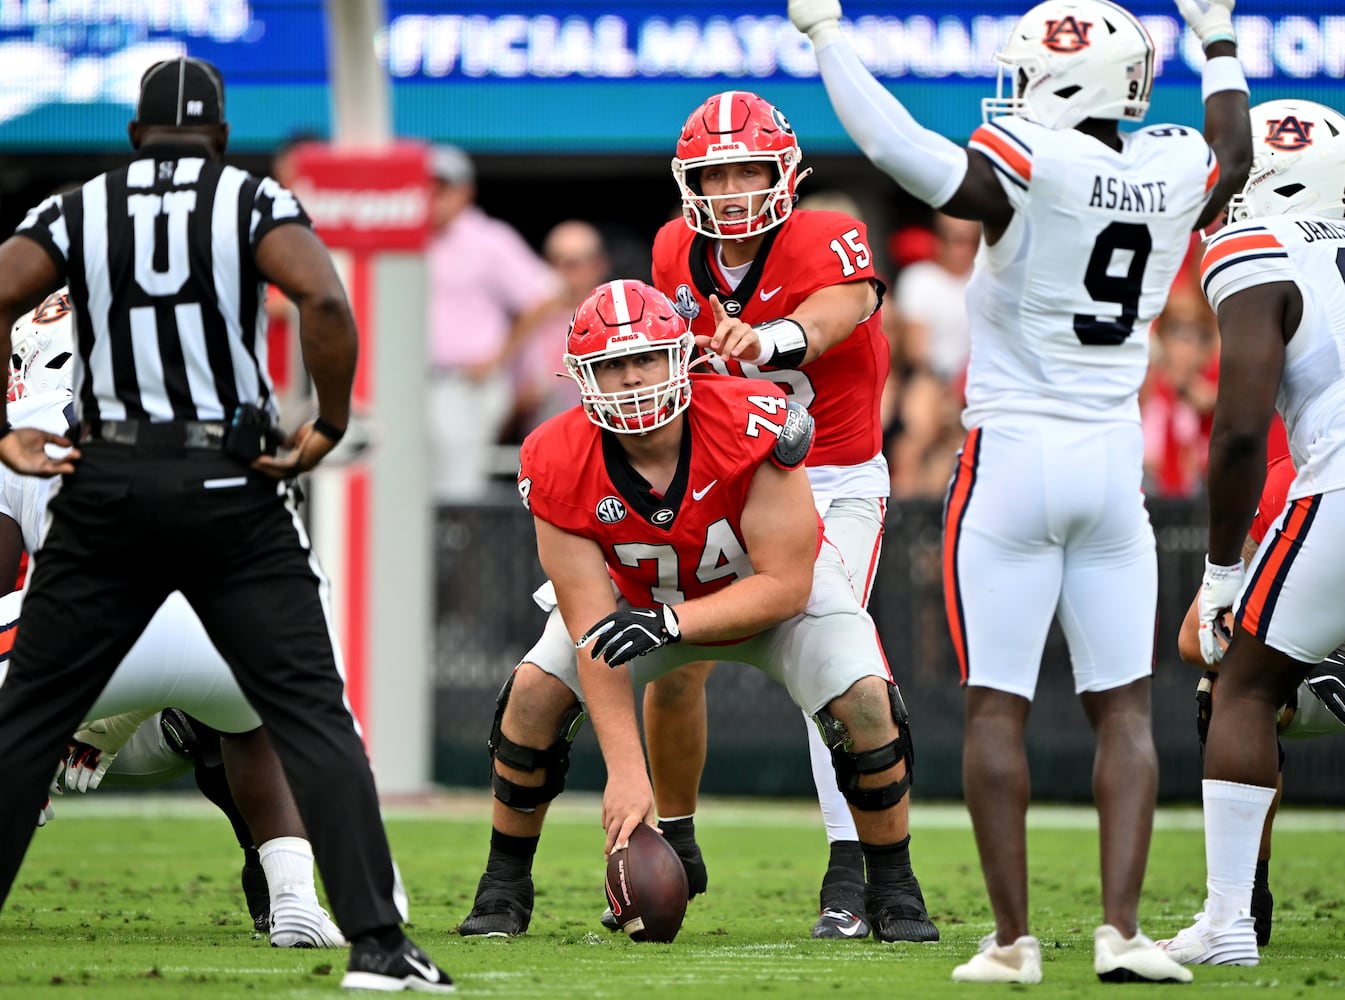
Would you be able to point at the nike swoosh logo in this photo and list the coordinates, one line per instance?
(430, 973)
(698, 494)
(767, 296)
(850, 931)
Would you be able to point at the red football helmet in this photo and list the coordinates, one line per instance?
(619, 319)
(737, 127)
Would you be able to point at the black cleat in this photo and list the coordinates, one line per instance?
(503, 908)
(843, 914)
(405, 967)
(897, 911)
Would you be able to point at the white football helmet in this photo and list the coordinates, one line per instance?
(1298, 162)
(42, 346)
(1069, 60)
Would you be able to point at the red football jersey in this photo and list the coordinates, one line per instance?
(843, 388)
(660, 549)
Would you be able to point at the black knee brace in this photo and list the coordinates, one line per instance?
(555, 759)
(850, 765)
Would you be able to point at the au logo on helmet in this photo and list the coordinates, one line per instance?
(1289, 133)
(1068, 34)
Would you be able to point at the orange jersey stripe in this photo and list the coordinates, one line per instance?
(1268, 573)
(7, 640)
(958, 495)
(1012, 157)
(1213, 178)
(1238, 244)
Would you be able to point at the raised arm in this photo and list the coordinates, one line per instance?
(928, 165)
(1224, 90)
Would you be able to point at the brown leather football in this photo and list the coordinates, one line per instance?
(647, 886)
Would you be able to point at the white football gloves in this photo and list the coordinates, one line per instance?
(1211, 20)
(85, 765)
(1218, 590)
(96, 746)
(816, 17)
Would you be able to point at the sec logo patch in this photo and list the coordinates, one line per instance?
(610, 510)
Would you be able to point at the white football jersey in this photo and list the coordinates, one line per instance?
(1060, 307)
(24, 498)
(1310, 252)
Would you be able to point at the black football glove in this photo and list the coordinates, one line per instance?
(624, 635)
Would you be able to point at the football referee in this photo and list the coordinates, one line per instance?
(174, 482)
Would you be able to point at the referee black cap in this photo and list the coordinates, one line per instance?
(181, 92)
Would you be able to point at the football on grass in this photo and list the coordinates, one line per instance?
(647, 886)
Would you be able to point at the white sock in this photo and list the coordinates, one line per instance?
(1234, 816)
(288, 863)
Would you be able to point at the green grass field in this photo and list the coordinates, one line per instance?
(132, 896)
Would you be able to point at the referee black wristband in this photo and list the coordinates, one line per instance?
(333, 434)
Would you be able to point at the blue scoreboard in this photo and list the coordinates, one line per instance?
(576, 76)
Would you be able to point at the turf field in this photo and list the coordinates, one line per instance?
(133, 896)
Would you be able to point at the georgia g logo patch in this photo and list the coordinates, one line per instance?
(610, 510)
(1068, 34)
(1289, 133)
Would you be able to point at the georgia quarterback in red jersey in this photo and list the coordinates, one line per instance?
(788, 296)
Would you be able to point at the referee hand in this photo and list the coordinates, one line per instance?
(310, 446)
(24, 449)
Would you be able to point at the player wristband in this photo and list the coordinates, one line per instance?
(6, 428)
(783, 343)
(333, 434)
(1222, 73)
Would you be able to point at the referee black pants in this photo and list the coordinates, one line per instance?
(128, 527)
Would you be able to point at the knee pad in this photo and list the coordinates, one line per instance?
(850, 766)
(554, 760)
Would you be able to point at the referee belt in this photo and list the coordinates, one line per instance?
(160, 434)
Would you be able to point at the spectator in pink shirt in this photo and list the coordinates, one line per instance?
(482, 278)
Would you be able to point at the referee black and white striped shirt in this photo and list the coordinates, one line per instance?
(168, 301)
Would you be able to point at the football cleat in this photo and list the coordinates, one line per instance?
(405, 967)
(503, 908)
(1133, 960)
(297, 922)
(1204, 944)
(1019, 962)
(840, 924)
(842, 915)
(897, 911)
